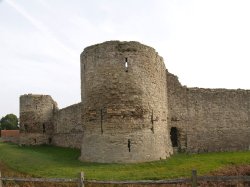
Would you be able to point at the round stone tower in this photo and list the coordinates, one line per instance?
(36, 112)
(123, 90)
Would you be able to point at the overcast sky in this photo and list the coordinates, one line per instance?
(206, 43)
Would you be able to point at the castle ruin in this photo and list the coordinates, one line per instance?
(133, 110)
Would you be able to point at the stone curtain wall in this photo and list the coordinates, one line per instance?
(124, 99)
(219, 120)
(177, 110)
(68, 128)
(209, 119)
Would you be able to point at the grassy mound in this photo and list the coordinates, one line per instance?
(52, 162)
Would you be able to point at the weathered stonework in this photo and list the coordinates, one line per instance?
(209, 119)
(68, 128)
(36, 119)
(124, 103)
(134, 110)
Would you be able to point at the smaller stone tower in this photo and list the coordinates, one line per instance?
(36, 113)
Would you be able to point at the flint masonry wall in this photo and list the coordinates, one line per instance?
(124, 99)
(36, 112)
(178, 110)
(209, 119)
(68, 128)
(219, 120)
(133, 110)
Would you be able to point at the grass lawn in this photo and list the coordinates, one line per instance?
(50, 161)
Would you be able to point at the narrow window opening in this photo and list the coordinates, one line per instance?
(129, 145)
(152, 121)
(50, 140)
(35, 140)
(44, 130)
(25, 127)
(101, 120)
(126, 64)
(174, 136)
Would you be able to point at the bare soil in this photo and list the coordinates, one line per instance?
(233, 170)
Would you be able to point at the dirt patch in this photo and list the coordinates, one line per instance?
(233, 170)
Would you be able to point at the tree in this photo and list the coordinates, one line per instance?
(9, 122)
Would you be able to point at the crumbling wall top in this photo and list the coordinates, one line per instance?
(121, 46)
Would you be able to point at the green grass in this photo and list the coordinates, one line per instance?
(50, 161)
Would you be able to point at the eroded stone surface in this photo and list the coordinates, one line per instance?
(209, 119)
(132, 108)
(124, 103)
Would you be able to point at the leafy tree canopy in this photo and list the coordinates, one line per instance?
(9, 122)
